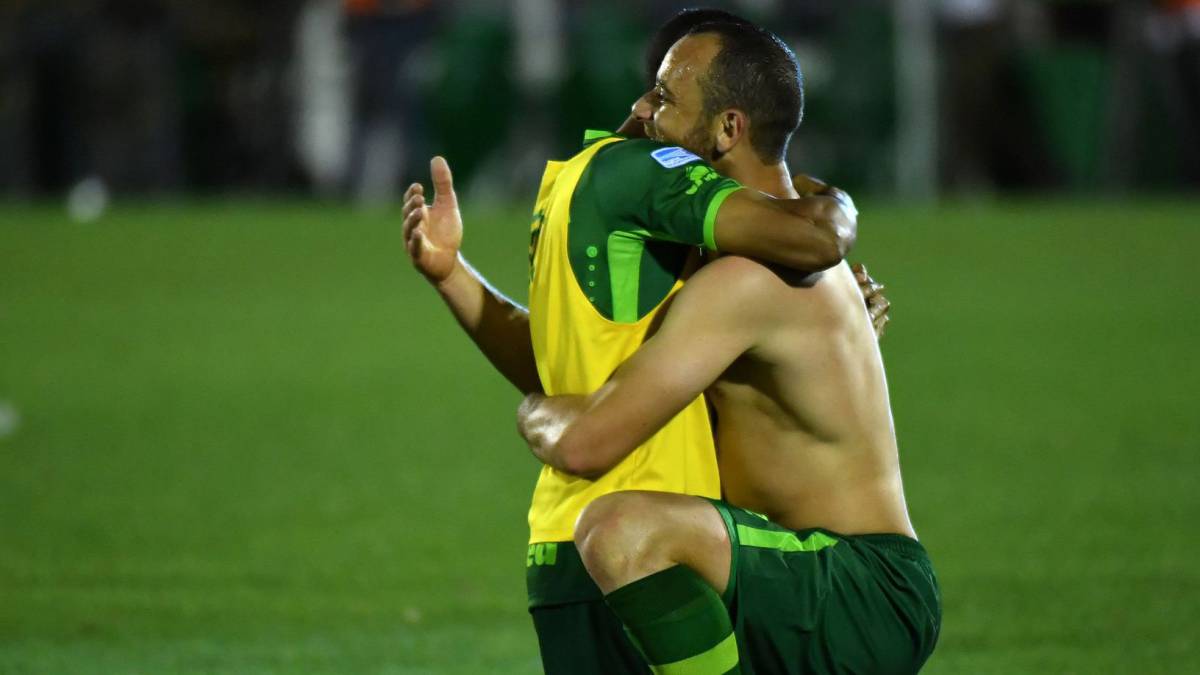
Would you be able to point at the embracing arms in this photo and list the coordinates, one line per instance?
(810, 234)
(719, 315)
(711, 322)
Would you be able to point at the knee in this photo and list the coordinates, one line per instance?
(604, 522)
(613, 534)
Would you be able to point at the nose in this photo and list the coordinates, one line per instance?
(642, 110)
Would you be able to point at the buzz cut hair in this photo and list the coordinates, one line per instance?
(676, 28)
(757, 73)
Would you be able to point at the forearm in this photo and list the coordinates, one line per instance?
(809, 234)
(497, 325)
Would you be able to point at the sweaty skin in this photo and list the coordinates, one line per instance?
(793, 370)
(804, 423)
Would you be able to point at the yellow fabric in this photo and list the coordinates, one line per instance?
(577, 350)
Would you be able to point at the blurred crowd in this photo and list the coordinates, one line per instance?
(348, 97)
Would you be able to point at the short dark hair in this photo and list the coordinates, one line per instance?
(675, 28)
(757, 73)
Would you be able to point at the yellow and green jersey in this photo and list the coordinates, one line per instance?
(616, 230)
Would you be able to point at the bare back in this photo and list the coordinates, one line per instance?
(804, 426)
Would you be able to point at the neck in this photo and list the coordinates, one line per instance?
(772, 179)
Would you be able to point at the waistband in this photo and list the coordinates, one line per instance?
(896, 543)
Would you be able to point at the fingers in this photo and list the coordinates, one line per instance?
(443, 183)
(414, 189)
(413, 205)
(414, 201)
(416, 216)
(414, 244)
(878, 307)
(870, 289)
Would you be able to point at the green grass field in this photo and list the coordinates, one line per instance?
(252, 441)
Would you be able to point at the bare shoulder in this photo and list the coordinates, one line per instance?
(734, 286)
(737, 275)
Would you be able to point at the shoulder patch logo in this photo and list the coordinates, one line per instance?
(673, 157)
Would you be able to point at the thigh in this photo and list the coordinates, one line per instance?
(666, 529)
(817, 601)
(779, 584)
(585, 638)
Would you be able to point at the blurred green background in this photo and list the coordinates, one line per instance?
(243, 436)
(239, 435)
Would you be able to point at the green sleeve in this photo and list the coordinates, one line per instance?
(660, 192)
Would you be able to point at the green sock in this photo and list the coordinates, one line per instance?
(679, 623)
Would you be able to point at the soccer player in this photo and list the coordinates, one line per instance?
(810, 564)
(595, 293)
(605, 256)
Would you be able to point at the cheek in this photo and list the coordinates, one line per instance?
(666, 115)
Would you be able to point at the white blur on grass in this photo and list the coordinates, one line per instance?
(87, 200)
(10, 419)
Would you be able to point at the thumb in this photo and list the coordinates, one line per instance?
(443, 183)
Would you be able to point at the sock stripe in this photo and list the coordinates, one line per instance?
(720, 659)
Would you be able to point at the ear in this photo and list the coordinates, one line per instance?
(732, 128)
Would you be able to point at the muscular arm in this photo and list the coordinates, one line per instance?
(498, 326)
(809, 234)
(673, 195)
(713, 320)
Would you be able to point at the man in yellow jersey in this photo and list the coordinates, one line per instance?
(812, 565)
(615, 232)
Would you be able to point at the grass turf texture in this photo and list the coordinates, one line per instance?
(253, 441)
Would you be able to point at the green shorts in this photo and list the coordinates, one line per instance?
(814, 601)
(578, 634)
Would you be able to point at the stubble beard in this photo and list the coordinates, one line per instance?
(697, 140)
(700, 142)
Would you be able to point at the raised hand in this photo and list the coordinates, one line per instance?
(872, 292)
(433, 232)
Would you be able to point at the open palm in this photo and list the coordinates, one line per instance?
(433, 232)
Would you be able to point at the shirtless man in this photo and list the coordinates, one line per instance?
(830, 577)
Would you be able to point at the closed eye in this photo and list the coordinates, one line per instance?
(661, 94)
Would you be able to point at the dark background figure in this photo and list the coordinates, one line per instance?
(91, 93)
(349, 96)
(990, 136)
(1174, 35)
(387, 117)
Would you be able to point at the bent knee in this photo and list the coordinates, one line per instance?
(608, 516)
(616, 537)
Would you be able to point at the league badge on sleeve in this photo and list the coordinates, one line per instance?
(673, 157)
